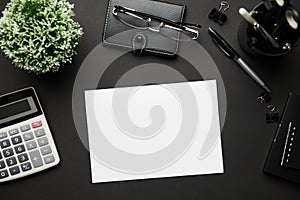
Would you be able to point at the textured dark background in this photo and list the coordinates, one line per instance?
(246, 136)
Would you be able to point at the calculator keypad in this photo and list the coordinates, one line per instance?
(3, 135)
(46, 150)
(26, 166)
(14, 170)
(3, 174)
(4, 144)
(39, 132)
(22, 158)
(24, 148)
(28, 136)
(13, 131)
(43, 141)
(16, 140)
(2, 164)
(11, 161)
(8, 152)
(37, 124)
(49, 159)
(31, 145)
(25, 128)
(19, 149)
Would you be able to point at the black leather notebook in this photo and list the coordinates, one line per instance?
(284, 156)
(119, 34)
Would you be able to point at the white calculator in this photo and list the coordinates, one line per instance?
(26, 143)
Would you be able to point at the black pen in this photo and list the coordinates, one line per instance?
(230, 52)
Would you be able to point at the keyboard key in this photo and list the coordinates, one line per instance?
(39, 133)
(14, 170)
(13, 131)
(46, 150)
(28, 136)
(8, 152)
(43, 141)
(31, 145)
(36, 158)
(49, 159)
(2, 164)
(3, 174)
(16, 140)
(4, 144)
(25, 128)
(36, 124)
(0, 156)
(3, 135)
(19, 149)
(26, 166)
(22, 158)
(11, 161)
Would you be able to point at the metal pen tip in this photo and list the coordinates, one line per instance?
(267, 89)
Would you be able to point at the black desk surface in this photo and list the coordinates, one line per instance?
(246, 136)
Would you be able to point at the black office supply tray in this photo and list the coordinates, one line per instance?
(118, 34)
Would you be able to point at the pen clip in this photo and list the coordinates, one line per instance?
(222, 49)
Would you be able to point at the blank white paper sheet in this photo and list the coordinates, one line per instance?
(154, 131)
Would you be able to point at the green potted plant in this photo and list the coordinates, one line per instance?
(39, 35)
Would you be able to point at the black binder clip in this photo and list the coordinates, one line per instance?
(218, 15)
(265, 97)
(272, 116)
(139, 42)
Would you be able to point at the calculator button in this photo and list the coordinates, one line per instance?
(2, 164)
(36, 158)
(46, 150)
(8, 152)
(36, 124)
(11, 161)
(28, 136)
(16, 140)
(43, 141)
(19, 149)
(3, 174)
(25, 128)
(23, 157)
(14, 170)
(3, 135)
(39, 133)
(49, 159)
(4, 144)
(31, 145)
(13, 131)
(26, 166)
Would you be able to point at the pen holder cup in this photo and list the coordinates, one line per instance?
(274, 21)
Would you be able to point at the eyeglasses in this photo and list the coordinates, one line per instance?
(173, 30)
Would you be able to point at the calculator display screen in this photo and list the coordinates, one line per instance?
(18, 109)
(13, 109)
